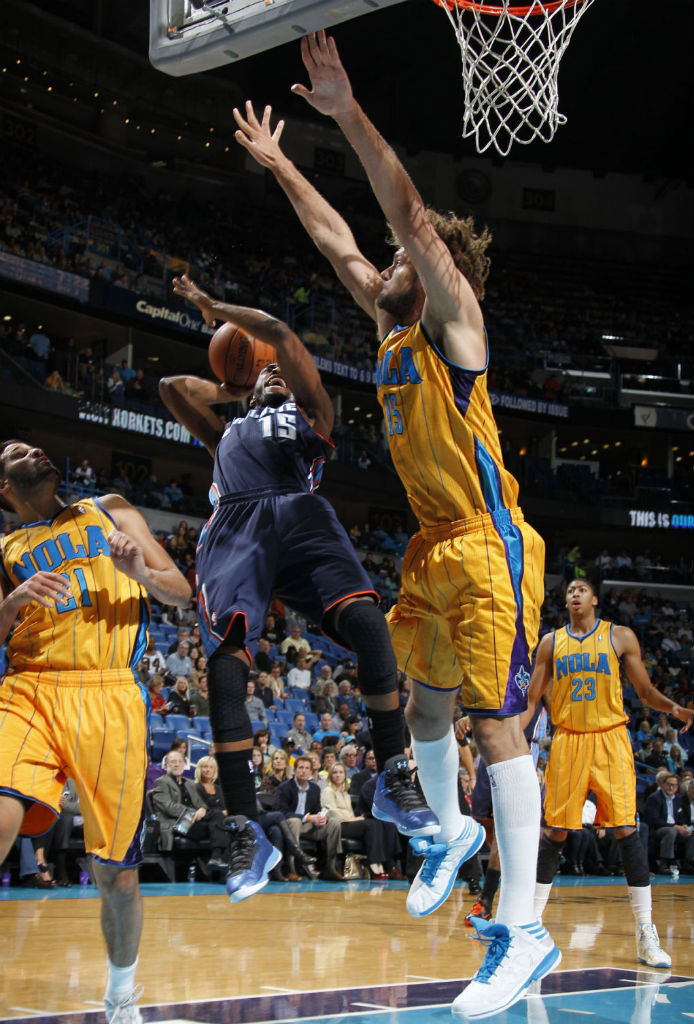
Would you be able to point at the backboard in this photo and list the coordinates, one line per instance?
(187, 36)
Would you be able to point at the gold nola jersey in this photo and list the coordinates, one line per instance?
(441, 431)
(587, 689)
(103, 624)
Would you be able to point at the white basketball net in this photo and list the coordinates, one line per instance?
(511, 67)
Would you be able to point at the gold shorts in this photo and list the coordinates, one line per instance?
(580, 761)
(469, 609)
(91, 727)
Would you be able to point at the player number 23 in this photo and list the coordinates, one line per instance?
(583, 689)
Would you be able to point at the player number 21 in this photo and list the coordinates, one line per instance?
(71, 604)
(583, 689)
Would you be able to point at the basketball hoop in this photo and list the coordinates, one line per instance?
(511, 54)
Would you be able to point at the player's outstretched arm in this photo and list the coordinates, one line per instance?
(295, 361)
(135, 552)
(189, 399)
(326, 228)
(540, 680)
(627, 647)
(451, 311)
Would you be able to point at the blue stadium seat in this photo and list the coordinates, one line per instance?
(277, 734)
(285, 719)
(201, 723)
(294, 704)
(161, 742)
(179, 723)
(257, 724)
(198, 749)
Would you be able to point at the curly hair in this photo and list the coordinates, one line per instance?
(468, 249)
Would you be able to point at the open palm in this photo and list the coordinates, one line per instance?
(331, 91)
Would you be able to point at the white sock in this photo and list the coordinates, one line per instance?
(121, 982)
(542, 891)
(516, 803)
(437, 768)
(640, 896)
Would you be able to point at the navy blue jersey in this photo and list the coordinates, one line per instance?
(269, 451)
(268, 533)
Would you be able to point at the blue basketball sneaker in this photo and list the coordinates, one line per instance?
(517, 956)
(436, 877)
(398, 799)
(251, 857)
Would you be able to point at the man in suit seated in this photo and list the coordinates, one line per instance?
(666, 817)
(299, 800)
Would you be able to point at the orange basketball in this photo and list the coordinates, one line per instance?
(237, 358)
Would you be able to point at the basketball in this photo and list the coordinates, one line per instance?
(237, 358)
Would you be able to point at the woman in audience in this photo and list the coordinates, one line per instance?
(325, 694)
(336, 800)
(179, 698)
(261, 738)
(156, 697)
(674, 759)
(278, 772)
(258, 763)
(199, 668)
(210, 791)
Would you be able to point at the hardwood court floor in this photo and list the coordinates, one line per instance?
(197, 946)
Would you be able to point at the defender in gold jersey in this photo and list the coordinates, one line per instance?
(473, 574)
(577, 674)
(75, 612)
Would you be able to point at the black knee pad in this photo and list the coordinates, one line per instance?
(634, 860)
(363, 629)
(227, 679)
(548, 859)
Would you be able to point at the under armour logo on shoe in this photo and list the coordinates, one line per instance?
(522, 679)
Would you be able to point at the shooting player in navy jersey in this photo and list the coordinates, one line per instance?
(270, 534)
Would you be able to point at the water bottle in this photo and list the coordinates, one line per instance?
(6, 879)
(191, 873)
(84, 878)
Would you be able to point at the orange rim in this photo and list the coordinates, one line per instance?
(538, 7)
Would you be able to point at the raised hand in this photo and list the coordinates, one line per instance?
(184, 286)
(127, 555)
(257, 136)
(331, 90)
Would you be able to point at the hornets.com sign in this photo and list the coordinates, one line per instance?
(136, 422)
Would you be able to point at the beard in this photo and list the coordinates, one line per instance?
(400, 306)
(26, 478)
(274, 399)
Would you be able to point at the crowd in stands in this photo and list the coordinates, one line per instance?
(303, 701)
(144, 232)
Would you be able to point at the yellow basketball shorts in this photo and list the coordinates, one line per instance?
(469, 609)
(580, 761)
(91, 727)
